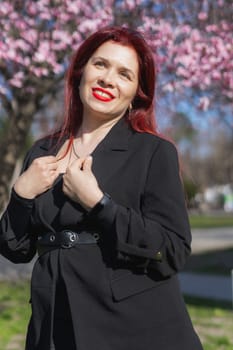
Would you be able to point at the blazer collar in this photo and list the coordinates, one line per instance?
(116, 139)
(52, 144)
(118, 136)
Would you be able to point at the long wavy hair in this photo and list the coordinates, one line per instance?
(142, 115)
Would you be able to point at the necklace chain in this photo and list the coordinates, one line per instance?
(75, 153)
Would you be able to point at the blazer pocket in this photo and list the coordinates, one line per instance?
(131, 284)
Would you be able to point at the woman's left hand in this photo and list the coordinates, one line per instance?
(80, 184)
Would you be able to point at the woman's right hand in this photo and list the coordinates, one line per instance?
(38, 178)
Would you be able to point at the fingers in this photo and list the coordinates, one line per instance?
(46, 170)
(49, 163)
(52, 166)
(48, 159)
(38, 178)
(54, 175)
(77, 164)
(87, 164)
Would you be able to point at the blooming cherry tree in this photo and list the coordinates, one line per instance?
(36, 41)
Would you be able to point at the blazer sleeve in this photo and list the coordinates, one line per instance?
(16, 243)
(159, 236)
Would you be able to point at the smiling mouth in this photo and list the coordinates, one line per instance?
(102, 95)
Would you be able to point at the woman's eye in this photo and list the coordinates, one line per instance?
(125, 75)
(99, 64)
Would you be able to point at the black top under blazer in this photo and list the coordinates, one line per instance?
(121, 293)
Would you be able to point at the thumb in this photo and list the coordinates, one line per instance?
(87, 164)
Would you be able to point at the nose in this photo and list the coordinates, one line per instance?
(107, 79)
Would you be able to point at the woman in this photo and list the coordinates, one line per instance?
(102, 202)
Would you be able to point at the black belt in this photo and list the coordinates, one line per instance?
(65, 239)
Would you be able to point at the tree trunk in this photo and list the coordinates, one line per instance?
(12, 143)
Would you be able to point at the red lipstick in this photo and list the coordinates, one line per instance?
(102, 94)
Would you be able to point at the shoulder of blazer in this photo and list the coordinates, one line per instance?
(154, 143)
(122, 136)
(47, 145)
(42, 147)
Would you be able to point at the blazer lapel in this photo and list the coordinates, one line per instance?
(51, 145)
(111, 151)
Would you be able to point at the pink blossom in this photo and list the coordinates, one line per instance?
(202, 16)
(17, 80)
(216, 75)
(3, 90)
(13, 16)
(88, 25)
(76, 37)
(45, 16)
(185, 29)
(62, 36)
(204, 103)
(22, 45)
(21, 25)
(181, 71)
(168, 87)
(30, 35)
(6, 8)
(73, 7)
(186, 60)
(31, 8)
(42, 52)
(129, 5)
(221, 3)
(195, 35)
(212, 28)
(58, 46)
(58, 68)
(11, 54)
(38, 71)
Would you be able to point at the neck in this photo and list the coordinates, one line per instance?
(92, 129)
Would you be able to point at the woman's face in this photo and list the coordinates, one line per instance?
(109, 81)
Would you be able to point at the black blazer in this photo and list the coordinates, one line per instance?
(145, 241)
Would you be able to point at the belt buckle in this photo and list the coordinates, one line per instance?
(72, 237)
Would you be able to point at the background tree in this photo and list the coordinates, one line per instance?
(36, 40)
(192, 45)
(215, 164)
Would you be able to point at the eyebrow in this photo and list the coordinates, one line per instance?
(122, 67)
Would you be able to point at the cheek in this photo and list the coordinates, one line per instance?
(82, 82)
(130, 92)
(87, 80)
(83, 88)
(129, 89)
(81, 92)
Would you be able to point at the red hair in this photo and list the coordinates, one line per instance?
(142, 116)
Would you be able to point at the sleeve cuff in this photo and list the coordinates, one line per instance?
(21, 200)
(104, 212)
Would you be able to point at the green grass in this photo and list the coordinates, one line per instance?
(212, 320)
(14, 314)
(211, 221)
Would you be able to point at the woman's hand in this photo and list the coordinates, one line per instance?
(38, 178)
(80, 184)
